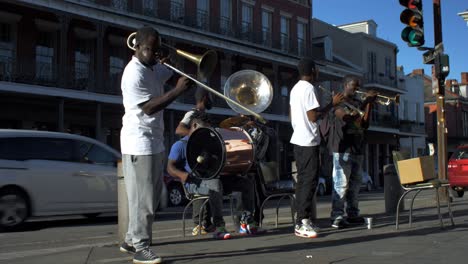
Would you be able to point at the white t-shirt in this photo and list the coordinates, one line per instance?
(303, 99)
(142, 134)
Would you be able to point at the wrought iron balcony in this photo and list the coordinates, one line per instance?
(412, 126)
(380, 79)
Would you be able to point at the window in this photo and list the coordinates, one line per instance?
(418, 113)
(388, 66)
(119, 4)
(405, 110)
(116, 67)
(45, 57)
(94, 154)
(285, 33)
(7, 52)
(82, 63)
(149, 7)
(266, 27)
(371, 65)
(247, 18)
(465, 124)
(225, 19)
(301, 38)
(27, 148)
(202, 14)
(177, 11)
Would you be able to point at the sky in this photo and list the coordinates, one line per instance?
(386, 13)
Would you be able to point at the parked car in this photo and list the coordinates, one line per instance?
(49, 173)
(457, 170)
(367, 183)
(175, 191)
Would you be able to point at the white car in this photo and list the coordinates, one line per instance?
(49, 173)
(367, 183)
(321, 187)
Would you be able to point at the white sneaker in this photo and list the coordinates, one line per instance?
(305, 229)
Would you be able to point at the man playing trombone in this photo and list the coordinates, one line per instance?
(142, 139)
(347, 142)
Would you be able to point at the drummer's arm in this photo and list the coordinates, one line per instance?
(175, 172)
(182, 130)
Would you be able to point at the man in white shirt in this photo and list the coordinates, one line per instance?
(142, 140)
(305, 112)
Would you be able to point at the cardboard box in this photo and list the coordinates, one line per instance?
(416, 170)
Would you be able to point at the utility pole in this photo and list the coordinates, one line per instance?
(439, 72)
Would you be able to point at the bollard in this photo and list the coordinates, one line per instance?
(122, 203)
(392, 190)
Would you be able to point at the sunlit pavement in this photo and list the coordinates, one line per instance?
(82, 241)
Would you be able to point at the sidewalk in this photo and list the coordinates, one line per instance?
(425, 242)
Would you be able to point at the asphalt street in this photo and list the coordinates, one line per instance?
(79, 240)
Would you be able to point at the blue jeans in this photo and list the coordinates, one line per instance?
(214, 189)
(347, 178)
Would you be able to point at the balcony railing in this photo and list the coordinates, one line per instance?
(385, 120)
(246, 32)
(266, 37)
(411, 126)
(380, 79)
(225, 26)
(203, 20)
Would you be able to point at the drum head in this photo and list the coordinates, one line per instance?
(206, 152)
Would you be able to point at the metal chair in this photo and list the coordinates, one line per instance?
(435, 184)
(271, 186)
(205, 198)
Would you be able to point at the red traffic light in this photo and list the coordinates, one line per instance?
(412, 16)
(412, 4)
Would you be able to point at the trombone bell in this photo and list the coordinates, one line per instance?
(206, 63)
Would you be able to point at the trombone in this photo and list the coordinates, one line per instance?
(350, 106)
(206, 65)
(382, 99)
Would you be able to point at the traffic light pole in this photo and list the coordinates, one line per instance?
(438, 83)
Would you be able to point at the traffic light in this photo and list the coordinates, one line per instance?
(412, 16)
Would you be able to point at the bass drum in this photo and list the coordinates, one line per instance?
(212, 151)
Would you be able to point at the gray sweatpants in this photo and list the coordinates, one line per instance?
(143, 176)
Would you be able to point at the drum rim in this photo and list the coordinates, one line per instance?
(223, 149)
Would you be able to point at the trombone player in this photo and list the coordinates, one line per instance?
(347, 142)
(142, 139)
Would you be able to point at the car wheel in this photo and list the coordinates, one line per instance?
(369, 186)
(321, 190)
(176, 195)
(460, 193)
(14, 208)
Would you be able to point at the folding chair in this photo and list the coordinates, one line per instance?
(418, 187)
(192, 198)
(271, 187)
(205, 198)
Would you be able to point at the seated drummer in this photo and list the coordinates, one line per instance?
(213, 187)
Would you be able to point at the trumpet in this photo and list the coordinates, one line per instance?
(206, 65)
(382, 99)
(350, 106)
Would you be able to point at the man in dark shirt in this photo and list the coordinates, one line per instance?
(347, 144)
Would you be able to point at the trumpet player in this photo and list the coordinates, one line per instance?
(346, 142)
(142, 139)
